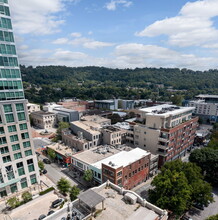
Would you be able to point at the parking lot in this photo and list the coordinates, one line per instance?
(32, 210)
(212, 209)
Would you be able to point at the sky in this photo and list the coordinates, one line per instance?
(117, 33)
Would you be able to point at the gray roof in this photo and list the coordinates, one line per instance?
(91, 198)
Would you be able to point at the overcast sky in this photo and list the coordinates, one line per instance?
(117, 33)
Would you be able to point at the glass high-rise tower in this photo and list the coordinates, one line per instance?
(18, 162)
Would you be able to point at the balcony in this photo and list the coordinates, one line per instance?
(162, 147)
(162, 139)
(162, 152)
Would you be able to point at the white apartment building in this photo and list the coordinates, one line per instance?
(206, 107)
(167, 130)
(33, 107)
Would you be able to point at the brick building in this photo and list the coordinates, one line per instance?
(127, 169)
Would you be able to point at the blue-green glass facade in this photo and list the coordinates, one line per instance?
(10, 78)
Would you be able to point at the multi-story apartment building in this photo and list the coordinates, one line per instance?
(206, 107)
(166, 130)
(18, 162)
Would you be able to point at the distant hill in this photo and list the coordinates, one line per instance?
(50, 83)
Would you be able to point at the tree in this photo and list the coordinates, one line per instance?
(51, 153)
(207, 159)
(74, 192)
(88, 176)
(61, 125)
(41, 165)
(177, 99)
(213, 217)
(63, 186)
(178, 186)
(13, 202)
(26, 196)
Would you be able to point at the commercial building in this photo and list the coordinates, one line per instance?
(18, 162)
(126, 169)
(106, 104)
(206, 107)
(166, 130)
(126, 104)
(43, 120)
(76, 142)
(111, 135)
(85, 160)
(97, 119)
(49, 107)
(33, 107)
(109, 201)
(66, 115)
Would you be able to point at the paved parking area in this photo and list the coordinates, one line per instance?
(212, 209)
(35, 208)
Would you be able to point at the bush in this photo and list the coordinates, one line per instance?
(46, 191)
(26, 196)
(13, 202)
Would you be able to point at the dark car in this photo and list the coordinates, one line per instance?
(50, 212)
(42, 217)
(63, 218)
(57, 202)
(37, 153)
(198, 206)
(44, 171)
(47, 161)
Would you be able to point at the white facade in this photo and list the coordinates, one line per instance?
(33, 107)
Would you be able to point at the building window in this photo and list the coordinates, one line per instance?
(10, 172)
(3, 140)
(13, 187)
(23, 126)
(20, 169)
(8, 108)
(19, 107)
(26, 144)
(14, 138)
(25, 135)
(17, 156)
(30, 165)
(4, 150)
(23, 183)
(15, 147)
(21, 116)
(9, 118)
(33, 179)
(28, 153)
(119, 173)
(2, 131)
(108, 172)
(6, 159)
(12, 128)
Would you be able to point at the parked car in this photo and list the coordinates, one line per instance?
(50, 212)
(42, 217)
(57, 203)
(198, 206)
(185, 217)
(44, 171)
(37, 153)
(63, 218)
(47, 161)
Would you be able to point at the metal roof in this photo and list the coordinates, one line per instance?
(91, 198)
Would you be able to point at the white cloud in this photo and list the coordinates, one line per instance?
(84, 42)
(193, 26)
(61, 41)
(112, 5)
(76, 34)
(38, 17)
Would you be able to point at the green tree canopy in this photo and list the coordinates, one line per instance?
(74, 192)
(64, 186)
(88, 176)
(213, 217)
(13, 202)
(61, 126)
(41, 165)
(207, 159)
(51, 153)
(178, 186)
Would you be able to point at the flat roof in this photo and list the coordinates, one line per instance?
(42, 113)
(123, 158)
(91, 198)
(95, 118)
(87, 126)
(105, 101)
(96, 154)
(166, 110)
(64, 110)
(207, 96)
(61, 149)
